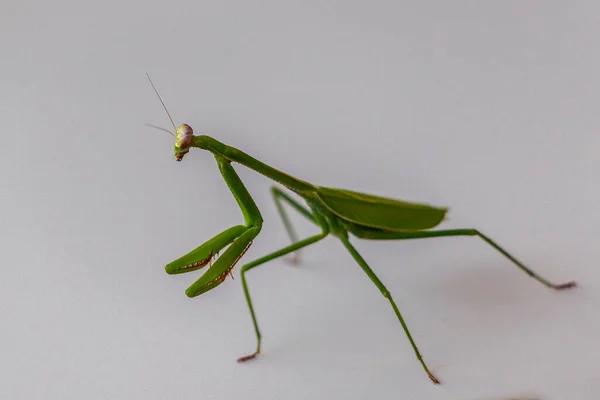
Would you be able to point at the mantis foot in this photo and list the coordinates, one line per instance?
(248, 357)
(562, 286)
(433, 378)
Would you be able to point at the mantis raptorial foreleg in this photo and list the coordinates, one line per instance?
(238, 237)
(363, 264)
(286, 250)
(278, 196)
(384, 235)
(202, 255)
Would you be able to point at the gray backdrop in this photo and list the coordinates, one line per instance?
(491, 108)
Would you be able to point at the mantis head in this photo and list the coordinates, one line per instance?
(183, 141)
(183, 134)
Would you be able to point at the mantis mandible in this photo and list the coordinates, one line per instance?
(336, 212)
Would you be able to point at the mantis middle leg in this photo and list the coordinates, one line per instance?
(363, 264)
(278, 196)
(286, 250)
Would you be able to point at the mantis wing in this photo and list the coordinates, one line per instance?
(380, 212)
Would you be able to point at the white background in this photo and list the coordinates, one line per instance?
(491, 108)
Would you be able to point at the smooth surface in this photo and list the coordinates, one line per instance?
(490, 108)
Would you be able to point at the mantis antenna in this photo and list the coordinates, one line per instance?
(160, 129)
(164, 106)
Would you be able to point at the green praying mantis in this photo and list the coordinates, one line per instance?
(336, 212)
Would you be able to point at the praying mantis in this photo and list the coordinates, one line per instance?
(336, 212)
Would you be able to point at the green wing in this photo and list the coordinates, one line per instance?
(380, 212)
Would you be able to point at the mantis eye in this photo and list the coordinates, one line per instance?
(184, 130)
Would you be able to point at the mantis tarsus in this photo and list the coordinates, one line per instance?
(336, 212)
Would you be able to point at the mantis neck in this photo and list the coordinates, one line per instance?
(232, 154)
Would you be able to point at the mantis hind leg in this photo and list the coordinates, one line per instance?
(363, 264)
(279, 196)
(374, 234)
(286, 250)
